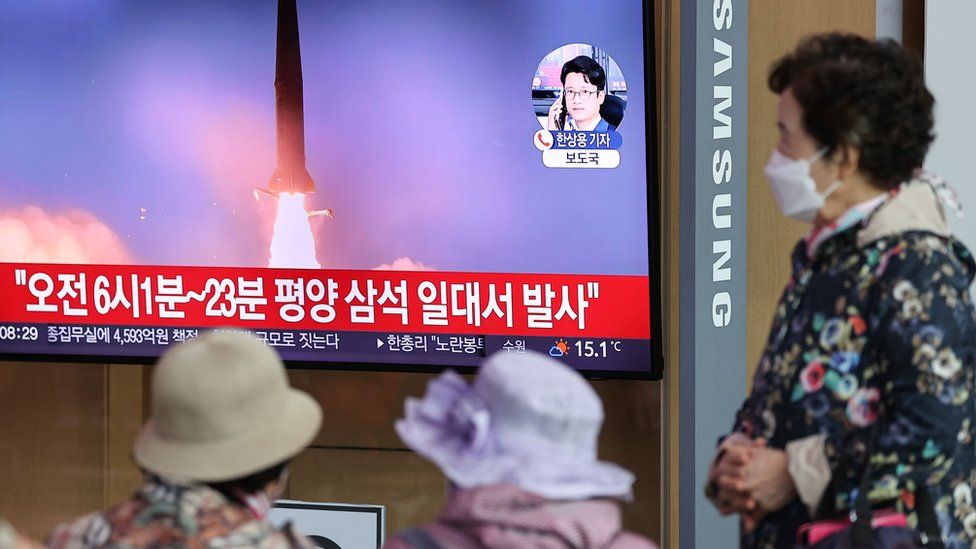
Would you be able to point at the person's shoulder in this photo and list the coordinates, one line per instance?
(285, 537)
(418, 537)
(630, 540)
(89, 530)
(96, 529)
(922, 255)
(9, 537)
(258, 533)
(428, 536)
(99, 528)
(397, 542)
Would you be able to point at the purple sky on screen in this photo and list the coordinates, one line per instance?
(417, 117)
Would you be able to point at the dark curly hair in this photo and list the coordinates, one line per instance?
(865, 94)
(591, 70)
(251, 484)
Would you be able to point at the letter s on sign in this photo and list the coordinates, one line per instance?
(722, 167)
(722, 14)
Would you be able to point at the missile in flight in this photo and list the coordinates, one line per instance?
(290, 175)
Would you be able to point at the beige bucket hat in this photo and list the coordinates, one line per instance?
(222, 409)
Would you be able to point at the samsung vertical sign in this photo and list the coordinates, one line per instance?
(713, 189)
(723, 117)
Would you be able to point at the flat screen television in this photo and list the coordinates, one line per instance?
(399, 185)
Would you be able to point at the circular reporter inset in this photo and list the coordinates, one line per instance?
(579, 87)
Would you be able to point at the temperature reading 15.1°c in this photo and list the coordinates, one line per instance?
(592, 349)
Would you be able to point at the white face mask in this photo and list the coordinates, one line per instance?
(794, 188)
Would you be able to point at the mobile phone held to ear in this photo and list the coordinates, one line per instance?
(562, 114)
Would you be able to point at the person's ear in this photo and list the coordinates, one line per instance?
(276, 488)
(601, 95)
(848, 159)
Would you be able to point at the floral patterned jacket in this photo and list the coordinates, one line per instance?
(873, 351)
(169, 514)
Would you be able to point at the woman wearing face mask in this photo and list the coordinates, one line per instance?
(867, 378)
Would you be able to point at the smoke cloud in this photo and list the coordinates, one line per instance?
(404, 264)
(33, 235)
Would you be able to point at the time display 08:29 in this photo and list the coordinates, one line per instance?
(18, 333)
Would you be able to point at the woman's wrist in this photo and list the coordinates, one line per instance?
(809, 469)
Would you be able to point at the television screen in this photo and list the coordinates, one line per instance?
(364, 184)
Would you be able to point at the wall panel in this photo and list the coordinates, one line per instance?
(52, 443)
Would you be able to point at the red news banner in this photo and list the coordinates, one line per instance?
(595, 306)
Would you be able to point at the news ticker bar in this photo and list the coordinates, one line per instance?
(311, 346)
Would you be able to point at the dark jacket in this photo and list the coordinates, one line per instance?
(872, 350)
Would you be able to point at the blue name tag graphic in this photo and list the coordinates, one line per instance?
(586, 140)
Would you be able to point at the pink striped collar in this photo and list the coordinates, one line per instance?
(851, 217)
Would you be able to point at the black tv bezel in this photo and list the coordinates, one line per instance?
(654, 259)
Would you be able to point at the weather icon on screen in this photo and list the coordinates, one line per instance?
(561, 348)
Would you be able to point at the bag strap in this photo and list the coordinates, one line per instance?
(925, 508)
(862, 534)
(862, 531)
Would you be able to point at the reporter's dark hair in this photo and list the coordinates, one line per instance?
(591, 70)
(251, 484)
(865, 94)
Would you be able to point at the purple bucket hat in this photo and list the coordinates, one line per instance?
(528, 420)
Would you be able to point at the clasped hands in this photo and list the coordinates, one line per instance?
(750, 479)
